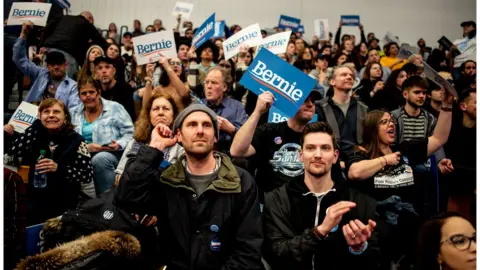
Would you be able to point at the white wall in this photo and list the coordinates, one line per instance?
(407, 19)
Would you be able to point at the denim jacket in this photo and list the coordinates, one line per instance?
(67, 91)
(114, 123)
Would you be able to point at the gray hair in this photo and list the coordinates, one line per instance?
(226, 77)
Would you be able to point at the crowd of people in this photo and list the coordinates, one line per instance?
(180, 155)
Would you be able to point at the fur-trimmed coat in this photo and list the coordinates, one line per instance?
(101, 250)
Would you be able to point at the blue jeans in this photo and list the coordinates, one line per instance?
(104, 164)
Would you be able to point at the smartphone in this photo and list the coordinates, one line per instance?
(105, 145)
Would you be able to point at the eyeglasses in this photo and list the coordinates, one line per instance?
(387, 121)
(460, 241)
(173, 63)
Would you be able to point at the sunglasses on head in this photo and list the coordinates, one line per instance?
(225, 65)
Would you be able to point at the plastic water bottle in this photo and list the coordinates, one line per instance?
(40, 179)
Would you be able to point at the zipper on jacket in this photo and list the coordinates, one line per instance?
(317, 215)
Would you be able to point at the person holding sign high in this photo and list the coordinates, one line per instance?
(50, 82)
(274, 147)
(387, 173)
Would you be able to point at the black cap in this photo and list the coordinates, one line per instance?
(127, 34)
(322, 56)
(468, 23)
(103, 59)
(55, 58)
(263, 32)
(315, 95)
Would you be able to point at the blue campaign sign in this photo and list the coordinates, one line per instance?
(219, 29)
(289, 86)
(204, 32)
(301, 29)
(288, 22)
(34, 239)
(350, 20)
(277, 116)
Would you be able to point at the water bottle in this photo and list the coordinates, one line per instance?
(40, 179)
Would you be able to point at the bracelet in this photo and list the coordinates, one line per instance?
(447, 109)
(147, 79)
(385, 160)
(358, 252)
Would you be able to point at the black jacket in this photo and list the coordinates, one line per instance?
(289, 219)
(185, 220)
(72, 34)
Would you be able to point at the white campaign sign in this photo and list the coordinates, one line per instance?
(149, 48)
(431, 74)
(37, 13)
(389, 37)
(250, 36)
(276, 43)
(320, 29)
(24, 116)
(185, 9)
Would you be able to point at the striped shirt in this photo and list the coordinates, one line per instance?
(413, 127)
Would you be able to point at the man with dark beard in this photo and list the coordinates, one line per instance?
(208, 209)
(316, 222)
(112, 89)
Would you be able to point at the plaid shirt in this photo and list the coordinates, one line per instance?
(197, 74)
(114, 123)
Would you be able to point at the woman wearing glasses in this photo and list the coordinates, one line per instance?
(384, 171)
(448, 241)
(172, 80)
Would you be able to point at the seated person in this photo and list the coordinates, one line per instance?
(66, 163)
(231, 114)
(161, 109)
(106, 126)
(50, 82)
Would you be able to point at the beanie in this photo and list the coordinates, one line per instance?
(196, 108)
(93, 47)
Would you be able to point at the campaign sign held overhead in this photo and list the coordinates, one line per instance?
(219, 29)
(431, 74)
(301, 29)
(149, 48)
(183, 9)
(350, 20)
(37, 13)
(277, 116)
(204, 32)
(276, 43)
(250, 36)
(288, 22)
(289, 86)
(407, 50)
(320, 29)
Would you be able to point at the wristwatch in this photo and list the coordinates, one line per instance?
(447, 109)
(319, 235)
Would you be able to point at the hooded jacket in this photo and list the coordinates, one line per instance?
(220, 229)
(289, 217)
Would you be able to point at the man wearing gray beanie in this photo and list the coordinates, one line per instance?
(208, 209)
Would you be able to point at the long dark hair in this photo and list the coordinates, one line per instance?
(371, 142)
(429, 241)
(366, 74)
(391, 82)
(165, 80)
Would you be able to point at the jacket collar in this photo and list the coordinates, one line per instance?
(227, 181)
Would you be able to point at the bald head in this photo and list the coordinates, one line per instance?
(87, 15)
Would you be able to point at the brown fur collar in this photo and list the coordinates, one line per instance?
(115, 242)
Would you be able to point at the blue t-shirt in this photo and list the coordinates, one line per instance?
(87, 130)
